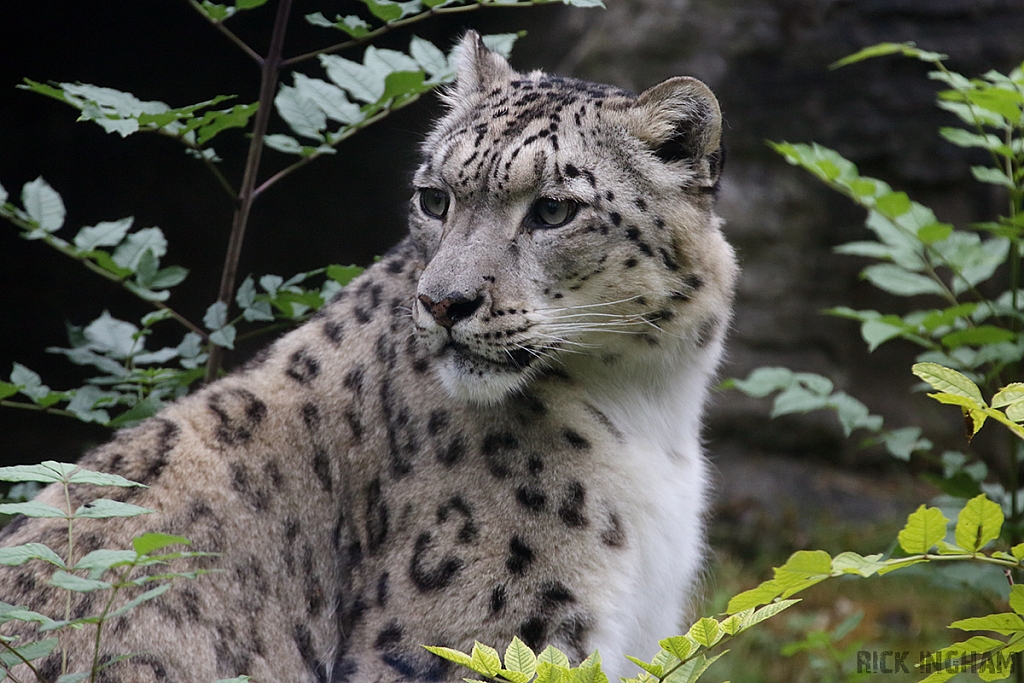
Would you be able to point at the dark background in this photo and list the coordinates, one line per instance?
(766, 59)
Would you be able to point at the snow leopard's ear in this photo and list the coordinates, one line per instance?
(477, 69)
(680, 119)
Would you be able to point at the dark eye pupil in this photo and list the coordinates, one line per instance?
(434, 202)
(554, 212)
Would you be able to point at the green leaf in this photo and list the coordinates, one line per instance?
(979, 522)
(934, 232)
(360, 82)
(352, 25)
(925, 527)
(431, 59)
(74, 678)
(32, 508)
(46, 472)
(15, 556)
(1005, 103)
(485, 659)
(654, 669)
(706, 631)
(29, 651)
(7, 389)
(301, 113)
(853, 563)
(147, 407)
(150, 542)
(139, 599)
(680, 647)
(1017, 596)
(897, 280)
(1005, 624)
(84, 476)
(883, 49)
(893, 204)
(216, 316)
(329, 98)
(520, 658)
(343, 274)
(99, 561)
(1011, 393)
(460, 658)
(949, 381)
(225, 336)
(214, 122)
(982, 335)
(995, 176)
(43, 205)
(103, 508)
(105, 234)
(130, 252)
(963, 138)
(77, 584)
(168, 277)
(552, 655)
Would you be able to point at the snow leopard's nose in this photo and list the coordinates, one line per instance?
(451, 309)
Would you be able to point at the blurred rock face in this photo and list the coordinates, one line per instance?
(768, 63)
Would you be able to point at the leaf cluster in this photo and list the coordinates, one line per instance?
(110, 571)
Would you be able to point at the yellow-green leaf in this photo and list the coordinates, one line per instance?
(1006, 623)
(1017, 598)
(979, 522)
(925, 527)
(520, 658)
(948, 380)
(706, 631)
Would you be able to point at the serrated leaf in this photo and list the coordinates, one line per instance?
(653, 669)
(84, 476)
(429, 57)
(168, 277)
(706, 631)
(302, 114)
(1011, 393)
(979, 522)
(43, 205)
(995, 176)
(103, 508)
(212, 123)
(77, 584)
(104, 234)
(552, 655)
(520, 658)
(15, 556)
(502, 43)
(32, 508)
(925, 527)
(485, 659)
(680, 647)
(948, 380)
(1006, 623)
(150, 542)
(360, 82)
(45, 472)
(330, 98)
(460, 658)
(225, 336)
(112, 337)
(130, 252)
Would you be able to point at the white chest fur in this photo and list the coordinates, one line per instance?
(662, 475)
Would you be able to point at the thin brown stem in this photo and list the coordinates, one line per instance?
(270, 68)
(227, 32)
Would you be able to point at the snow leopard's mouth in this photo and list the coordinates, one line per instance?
(514, 360)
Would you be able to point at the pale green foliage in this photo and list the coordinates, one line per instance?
(104, 570)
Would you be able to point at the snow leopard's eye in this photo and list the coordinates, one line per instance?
(552, 213)
(434, 202)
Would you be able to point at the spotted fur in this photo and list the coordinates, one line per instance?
(492, 432)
